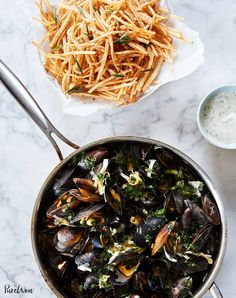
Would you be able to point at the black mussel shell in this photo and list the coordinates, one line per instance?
(87, 261)
(198, 215)
(115, 198)
(166, 158)
(201, 237)
(59, 186)
(59, 264)
(86, 212)
(181, 288)
(146, 231)
(140, 282)
(192, 265)
(91, 281)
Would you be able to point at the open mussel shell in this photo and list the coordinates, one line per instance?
(186, 219)
(87, 261)
(201, 237)
(181, 288)
(192, 265)
(68, 185)
(166, 158)
(211, 210)
(96, 155)
(147, 231)
(66, 200)
(85, 183)
(140, 282)
(101, 238)
(157, 276)
(141, 153)
(198, 215)
(59, 264)
(115, 198)
(86, 212)
(91, 281)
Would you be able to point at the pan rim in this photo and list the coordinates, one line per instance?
(223, 241)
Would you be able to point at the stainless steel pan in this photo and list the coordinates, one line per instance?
(24, 98)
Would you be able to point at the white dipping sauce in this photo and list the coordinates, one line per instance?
(219, 117)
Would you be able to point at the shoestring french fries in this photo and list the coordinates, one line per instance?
(112, 49)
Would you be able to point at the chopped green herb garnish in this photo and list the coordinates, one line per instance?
(61, 221)
(79, 67)
(103, 281)
(159, 212)
(118, 75)
(148, 69)
(111, 10)
(60, 46)
(80, 10)
(89, 161)
(68, 213)
(73, 90)
(148, 239)
(187, 190)
(123, 158)
(90, 36)
(124, 39)
(186, 240)
(177, 173)
(103, 177)
(136, 192)
(55, 16)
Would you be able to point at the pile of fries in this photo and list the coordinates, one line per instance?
(112, 49)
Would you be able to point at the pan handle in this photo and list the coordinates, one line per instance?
(28, 103)
(215, 291)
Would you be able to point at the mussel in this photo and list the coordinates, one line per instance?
(166, 158)
(101, 238)
(86, 212)
(140, 282)
(115, 199)
(85, 183)
(87, 261)
(90, 159)
(157, 276)
(181, 288)
(67, 237)
(191, 265)
(67, 200)
(201, 238)
(186, 219)
(145, 232)
(91, 281)
(211, 210)
(198, 215)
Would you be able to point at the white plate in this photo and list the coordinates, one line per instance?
(188, 58)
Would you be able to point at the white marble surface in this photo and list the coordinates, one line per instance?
(26, 156)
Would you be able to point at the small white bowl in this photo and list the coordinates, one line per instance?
(205, 100)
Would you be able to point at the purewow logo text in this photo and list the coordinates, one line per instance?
(19, 289)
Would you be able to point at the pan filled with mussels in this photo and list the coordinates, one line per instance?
(124, 217)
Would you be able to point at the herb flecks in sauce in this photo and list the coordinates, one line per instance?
(219, 117)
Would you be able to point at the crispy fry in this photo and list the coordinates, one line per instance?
(111, 49)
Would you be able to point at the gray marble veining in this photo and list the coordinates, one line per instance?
(169, 115)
